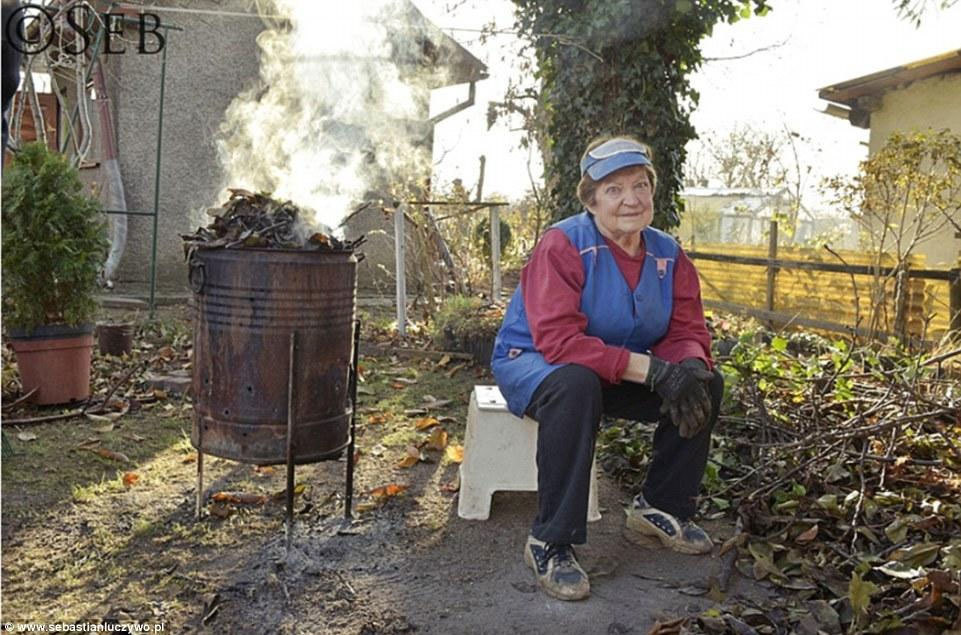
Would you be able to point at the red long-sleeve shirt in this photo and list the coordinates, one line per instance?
(552, 282)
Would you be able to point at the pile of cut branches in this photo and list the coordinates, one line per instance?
(249, 220)
(842, 466)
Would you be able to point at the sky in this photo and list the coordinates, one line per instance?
(809, 44)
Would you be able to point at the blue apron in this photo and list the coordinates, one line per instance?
(634, 319)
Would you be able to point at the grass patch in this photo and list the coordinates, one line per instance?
(61, 464)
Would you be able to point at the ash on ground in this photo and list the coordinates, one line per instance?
(257, 221)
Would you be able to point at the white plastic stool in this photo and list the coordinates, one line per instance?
(500, 455)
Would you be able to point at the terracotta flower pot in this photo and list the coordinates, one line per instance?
(56, 361)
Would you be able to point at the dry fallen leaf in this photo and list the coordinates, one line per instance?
(408, 461)
(453, 369)
(437, 439)
(110, 454)
(189, 458)
(411, 457)
(443, 361)
(299, 489)
(672, 627)
(220, 510)
(239, 498)
(130, 478)
(431, 402)
(455, 453)
(264, 470)
(425, 423)
(376, 419)
(26, 436)
(807, 536)
(388, 491)
(105, 428)
(454, 485)
(366, 507)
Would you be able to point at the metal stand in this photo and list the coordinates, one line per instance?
(352, 387)
(200, 471)
(289, 518)
(291, 450)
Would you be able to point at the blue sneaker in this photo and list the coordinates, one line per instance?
(556, 570)
(681, 536)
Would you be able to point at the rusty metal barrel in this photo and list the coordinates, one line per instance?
(246, 304)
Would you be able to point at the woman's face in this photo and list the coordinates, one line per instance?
(623, 203)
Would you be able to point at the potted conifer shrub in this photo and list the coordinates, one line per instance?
(54, 245)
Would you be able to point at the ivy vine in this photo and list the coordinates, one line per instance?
(619, 66)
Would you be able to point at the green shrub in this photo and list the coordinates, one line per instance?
(463, 317)
(482, 236)
(54, 242)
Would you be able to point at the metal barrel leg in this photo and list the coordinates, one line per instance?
(200, 484)
(349, 485)
(200, 469)
(289, 519)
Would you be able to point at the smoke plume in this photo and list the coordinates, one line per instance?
(334, 119)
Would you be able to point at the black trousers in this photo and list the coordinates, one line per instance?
(568, 406)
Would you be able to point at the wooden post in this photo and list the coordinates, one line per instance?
(954, 316)
(400, 271)
(902, 295)
(771, 269)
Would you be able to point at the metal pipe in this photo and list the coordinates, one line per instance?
(495, 255)
(349, 486)
(156, 191)
(200, 470)
(117, 211)
(471, 92)
(399, 270)
(72, 121)
(289, 517)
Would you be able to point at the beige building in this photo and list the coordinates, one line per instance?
(914, 97)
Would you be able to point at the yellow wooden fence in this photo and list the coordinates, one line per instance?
(827, 296)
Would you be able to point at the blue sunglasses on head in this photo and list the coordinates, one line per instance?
(613, 155)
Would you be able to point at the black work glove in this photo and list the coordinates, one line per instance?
(683, 391)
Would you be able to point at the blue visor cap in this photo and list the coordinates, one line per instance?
(611, 156)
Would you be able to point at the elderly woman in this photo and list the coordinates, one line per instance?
(607, 320)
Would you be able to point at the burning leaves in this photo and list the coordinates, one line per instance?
(256, 221)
